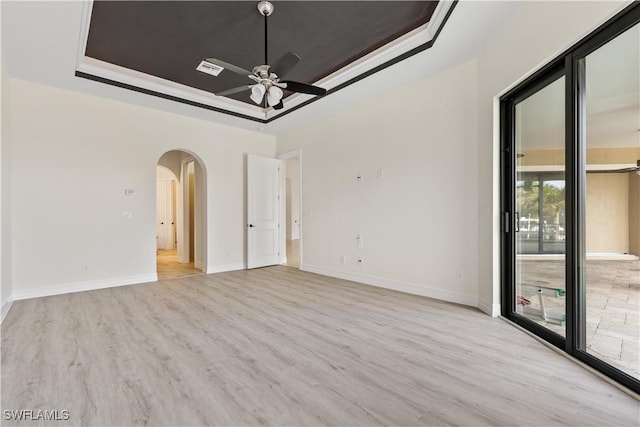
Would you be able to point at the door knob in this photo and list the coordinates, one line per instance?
(162, 223)
(251, 225)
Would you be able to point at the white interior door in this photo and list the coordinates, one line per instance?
(263, 211)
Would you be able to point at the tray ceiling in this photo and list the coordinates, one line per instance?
(155, 46)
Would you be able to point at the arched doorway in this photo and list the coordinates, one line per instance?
(180, 215)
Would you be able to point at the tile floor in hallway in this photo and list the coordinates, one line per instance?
(613, 306)
(293, 254)
(168, 266)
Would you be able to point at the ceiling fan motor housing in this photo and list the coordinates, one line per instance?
(265, 8)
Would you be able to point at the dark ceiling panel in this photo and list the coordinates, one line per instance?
(168, 39)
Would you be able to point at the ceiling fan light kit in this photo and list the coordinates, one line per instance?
(267, 77)
(257, 93)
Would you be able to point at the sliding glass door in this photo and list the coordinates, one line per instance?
(539, 135)
(610, 75)
(571, 200)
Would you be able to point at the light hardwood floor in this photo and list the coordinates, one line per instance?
(283, 347)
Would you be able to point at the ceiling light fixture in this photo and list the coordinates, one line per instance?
(267, 77)
(257, 93)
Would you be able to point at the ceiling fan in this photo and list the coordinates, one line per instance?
(635, 169)
(268, 86)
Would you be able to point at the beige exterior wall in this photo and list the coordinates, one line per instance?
(595, 156)
(613, 199)
(634, 214)
(607, 214)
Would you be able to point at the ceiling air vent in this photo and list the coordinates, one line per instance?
(209, 68)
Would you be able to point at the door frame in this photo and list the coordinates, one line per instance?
(549, 74)
(570, 64)
(169, 203)
(178, 166)
(283, 232)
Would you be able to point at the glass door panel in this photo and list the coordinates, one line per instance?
(612, 203)
(553, 215)
(539, 204)
(527, 213)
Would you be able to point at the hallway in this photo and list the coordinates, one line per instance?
(168, 266)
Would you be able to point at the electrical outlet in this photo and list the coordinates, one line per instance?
(343, 259)
(458, 275)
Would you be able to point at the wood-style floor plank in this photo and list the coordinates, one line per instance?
(276, 346)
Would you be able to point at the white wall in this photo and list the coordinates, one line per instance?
(539, 32)
(73, 156)
(417, 221)
(172, 160)
(292, 168)
(435, 213)
(5, 199)
(200, 225)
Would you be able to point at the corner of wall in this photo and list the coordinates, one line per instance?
(456, 297)
(488, 307)
(6, 306)
(89, 285)
(5, 199)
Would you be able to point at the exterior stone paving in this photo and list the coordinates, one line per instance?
(613, 306)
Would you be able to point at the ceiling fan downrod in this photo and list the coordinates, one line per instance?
(268, 78)
(265, 8)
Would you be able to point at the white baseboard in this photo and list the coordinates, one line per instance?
(5, 308)
(83, 286)
(226, 267)
(489, 308)
(397, 285)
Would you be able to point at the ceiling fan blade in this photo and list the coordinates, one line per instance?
(304, 88)
(285, 64)
(230, 67)
(234, 90)
(278, 106)
(635, 168)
